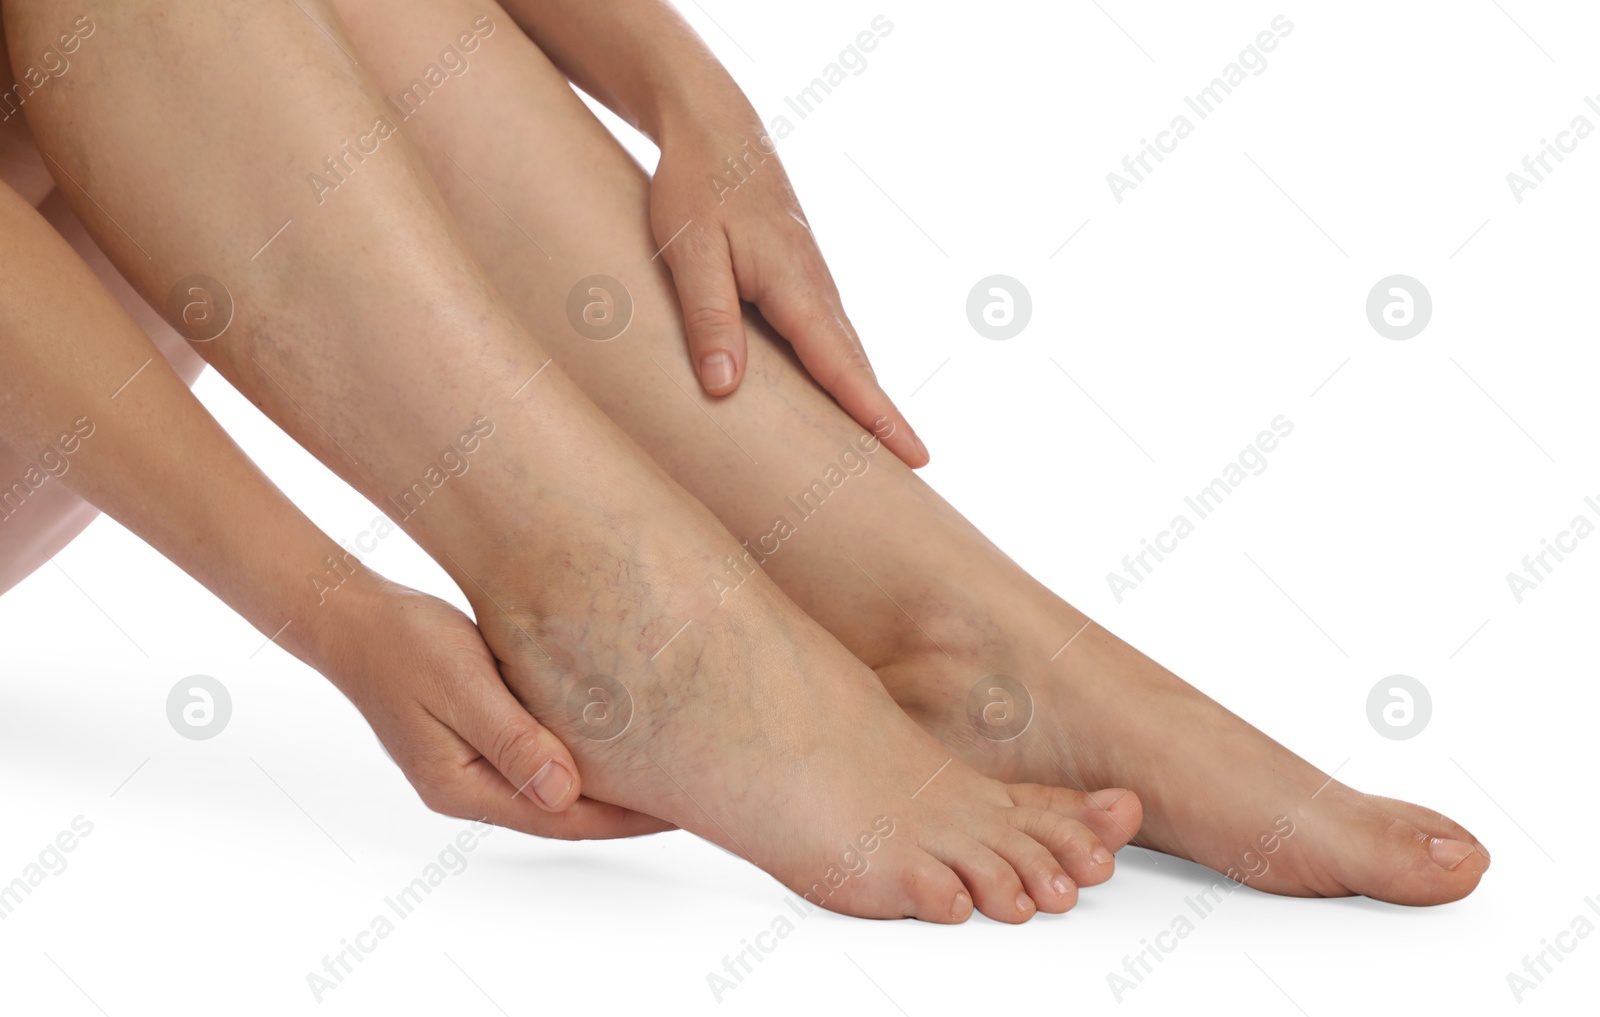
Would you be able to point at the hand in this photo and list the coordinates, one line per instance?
(731, 228)
(419, 671)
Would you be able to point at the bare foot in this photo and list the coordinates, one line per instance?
(743, 721)
(392, 358)
(418, 670)
(1214, 789)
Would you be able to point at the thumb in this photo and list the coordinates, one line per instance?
(702, 272)
(484, 794)
(532, 759)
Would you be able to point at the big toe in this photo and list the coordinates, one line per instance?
(1114, 814)
(1434, 824)
(1407, 855)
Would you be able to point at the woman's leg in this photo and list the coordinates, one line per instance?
(854, 537)
(118, 426)
(245, 145)
(159, 463)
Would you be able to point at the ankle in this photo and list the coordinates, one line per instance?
(645, 565)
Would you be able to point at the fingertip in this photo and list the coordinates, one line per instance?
(910, 448)
(719, 372)
(922, 457)
(552, 786)
(889, 424)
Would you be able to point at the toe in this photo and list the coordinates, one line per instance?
(930, 891)
(1043, 876)
(1383, 855)
(994, 885)
(1078, 849)
(1114, 814)
(1434, 824)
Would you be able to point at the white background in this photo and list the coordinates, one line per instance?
(975, 142)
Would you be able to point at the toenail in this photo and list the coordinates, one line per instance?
(962, 907)
(1107, 798)
(1062, 885)
(1024, 902)
(1450, 853)
(551, 783)
(1100, 856)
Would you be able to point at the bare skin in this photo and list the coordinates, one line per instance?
(370, 334)
(885, 549)
(55, 514)
(641, 59)
(95, 392)
(107, 419)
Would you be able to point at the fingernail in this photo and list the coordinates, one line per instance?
(716, 371)
(1107, 798)
(1100, 856)
(962, 907)
(1450, 853)
(920, 446)
(552, 783)
(1024, 902)
(1062, 885)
